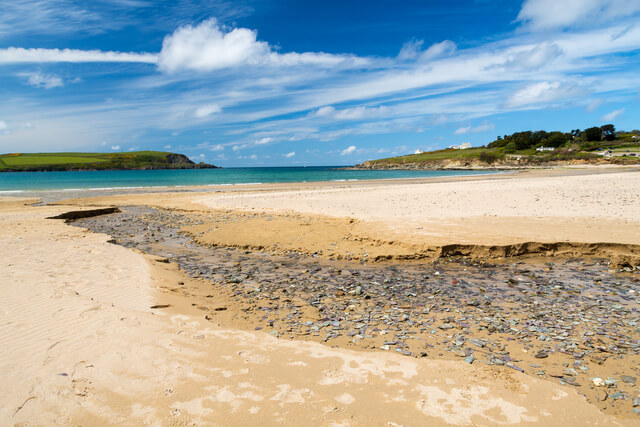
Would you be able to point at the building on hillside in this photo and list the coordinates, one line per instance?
(418, 151)
(545, 149)
(462, 146)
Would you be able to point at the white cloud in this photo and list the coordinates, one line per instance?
(46, 81)
(265, 140)
(593, 105)
(536, 57)
(207, 110)
(3, 125)
(355, 113)
(290, 155)
(115, 147)
(17, 55)
(412, 50)
(543, 92)
(217, 147)
(208, 46)
(348, 150)
(553, 14)
(167, 147)
(469, 129)
(612, 115)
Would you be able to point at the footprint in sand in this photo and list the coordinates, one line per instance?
(85, 314)
(251, 357)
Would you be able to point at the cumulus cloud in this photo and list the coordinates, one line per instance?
(46, 81)
(543, 92)
(17, 55)
(469, 129)
(217, 147)
(115, 147)
(3, 125)
(355, 113)
(207, 110)
(612, 115)
(552, 14)
(290, 155)
(208, 46)
(348, 150)
(412, 50)
(263, 141)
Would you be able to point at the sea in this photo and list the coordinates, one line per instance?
(25, 182)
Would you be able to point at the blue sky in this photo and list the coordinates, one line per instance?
(283, 82)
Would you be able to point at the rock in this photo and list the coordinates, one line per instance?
(541, 355)
(629, 380)
(358, 290)
(469, 359)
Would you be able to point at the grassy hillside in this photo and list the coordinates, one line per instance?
(483, 157)
(21, 162)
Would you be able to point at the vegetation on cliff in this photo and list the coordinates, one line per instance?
(36, 162)
(530, 148)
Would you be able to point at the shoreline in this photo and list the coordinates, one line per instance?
(213, 185)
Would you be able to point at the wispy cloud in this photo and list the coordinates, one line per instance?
(17, 55)
(355, 113)
(46, 81)
(207, 110)
(470, 129)
(612, 115)
(543, 93)
(349, 150)
(551, 14)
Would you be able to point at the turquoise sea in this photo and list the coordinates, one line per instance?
(18, 182)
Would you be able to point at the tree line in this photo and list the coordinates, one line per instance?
(534, 139)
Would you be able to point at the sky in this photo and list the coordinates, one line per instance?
(291, 83)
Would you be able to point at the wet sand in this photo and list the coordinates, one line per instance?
(86, 346)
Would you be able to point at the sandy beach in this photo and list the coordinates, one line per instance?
(99, 333)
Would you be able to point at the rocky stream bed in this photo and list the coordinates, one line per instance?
(573, 321)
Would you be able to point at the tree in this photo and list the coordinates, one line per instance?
(557, 139)
(593, 134)
(608, 132)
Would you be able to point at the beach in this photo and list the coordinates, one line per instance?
(480, 300)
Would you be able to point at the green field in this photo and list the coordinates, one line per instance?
(485, 154)
(43, 159)
(21, 162)
(448, 153)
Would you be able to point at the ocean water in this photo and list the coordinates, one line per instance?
(19, 182)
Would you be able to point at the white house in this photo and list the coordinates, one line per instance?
(418, 151)
(545, 149)
(462, 146)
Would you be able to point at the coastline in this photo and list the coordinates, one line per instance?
(212, 388)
